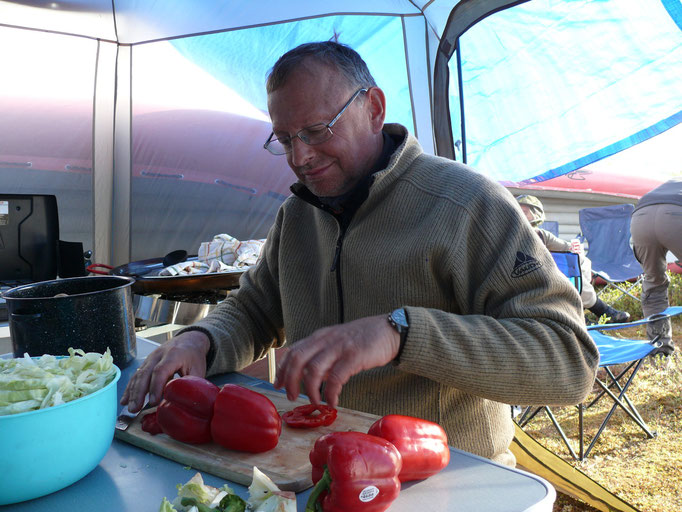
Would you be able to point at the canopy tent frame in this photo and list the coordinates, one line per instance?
(431, 37)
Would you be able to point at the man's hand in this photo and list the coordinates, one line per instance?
(184, 354)
(334, 354)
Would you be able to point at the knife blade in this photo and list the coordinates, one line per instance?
(125, 417)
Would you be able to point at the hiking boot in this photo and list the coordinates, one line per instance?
(601, 308)
(666, 348)
(615, 316)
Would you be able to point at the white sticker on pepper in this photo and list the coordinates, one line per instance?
(368, 493)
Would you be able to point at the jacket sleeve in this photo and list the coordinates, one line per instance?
(518, 336)
(553, 243)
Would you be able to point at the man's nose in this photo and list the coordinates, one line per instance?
(301, 153)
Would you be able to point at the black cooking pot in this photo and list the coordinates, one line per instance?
(90, 313)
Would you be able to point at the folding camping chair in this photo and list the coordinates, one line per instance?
(569, 264)
(550, 225)
(613, 352)
(607, 231)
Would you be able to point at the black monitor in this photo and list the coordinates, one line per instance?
(29, 232)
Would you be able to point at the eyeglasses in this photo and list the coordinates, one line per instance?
(315, 134)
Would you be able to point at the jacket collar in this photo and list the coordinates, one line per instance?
(346, 205)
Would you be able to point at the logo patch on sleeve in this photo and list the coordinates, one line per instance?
(524, 264)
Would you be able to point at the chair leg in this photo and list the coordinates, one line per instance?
(626, 289)
(531, 412)
(614, 382)
(581, 430)
(618, 402)
(561, 433)
(528, 415)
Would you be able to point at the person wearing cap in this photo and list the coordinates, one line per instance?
(656, 228)
(535, 213)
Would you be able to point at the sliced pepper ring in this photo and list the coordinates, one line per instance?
(304, 416)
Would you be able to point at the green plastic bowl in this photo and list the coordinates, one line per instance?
(46, 450)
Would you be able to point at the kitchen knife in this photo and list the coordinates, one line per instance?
(125, 417)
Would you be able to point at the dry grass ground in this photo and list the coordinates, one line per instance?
(643, 472)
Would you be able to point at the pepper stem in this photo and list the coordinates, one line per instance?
(313, 505)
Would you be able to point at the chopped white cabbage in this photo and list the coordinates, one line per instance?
(27, 384)
(279, 501)
(216, 500)
(265, 496)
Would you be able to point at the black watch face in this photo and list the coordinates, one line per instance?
(399, 317)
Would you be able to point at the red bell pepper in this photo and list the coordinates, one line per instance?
(304, 416)
(245, 420)
(187, 408)
(353, 471)
(150, 424)
(422, 444)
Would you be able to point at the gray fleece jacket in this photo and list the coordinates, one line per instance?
(492, 320)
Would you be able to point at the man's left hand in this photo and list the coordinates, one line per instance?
(334, 354)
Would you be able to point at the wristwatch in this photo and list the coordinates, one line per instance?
(398, 320)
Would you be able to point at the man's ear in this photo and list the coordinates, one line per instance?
(377, 108)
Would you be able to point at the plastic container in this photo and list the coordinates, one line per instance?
(46, 450)
(576, 246)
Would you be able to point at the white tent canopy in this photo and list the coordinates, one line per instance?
(147, 118)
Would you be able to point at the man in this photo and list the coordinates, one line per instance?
(535, 213)
(656, 228)
(405, 283)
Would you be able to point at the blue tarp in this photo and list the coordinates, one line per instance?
(551, 86)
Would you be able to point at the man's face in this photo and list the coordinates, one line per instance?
(527, 210)
(314, 94)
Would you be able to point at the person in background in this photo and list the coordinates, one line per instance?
(535, 213)
(656, 228)
(402, 283)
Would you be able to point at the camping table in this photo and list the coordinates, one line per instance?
(132, 479)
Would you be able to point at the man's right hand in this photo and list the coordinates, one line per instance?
(184, 354)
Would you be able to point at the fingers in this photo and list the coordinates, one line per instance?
(333, 355)
(185, 354)
(290, 371)
(339, 375)
(333, 365)
(137, 387)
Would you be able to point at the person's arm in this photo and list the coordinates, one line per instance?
(552, 242)
(520, 336)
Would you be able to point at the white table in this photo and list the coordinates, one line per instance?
(132, 479)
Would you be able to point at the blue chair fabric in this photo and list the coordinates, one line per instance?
(607, 232)
(569, 264)
(621, 359)
(552, 226)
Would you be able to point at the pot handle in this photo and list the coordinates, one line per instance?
(25, 317)
(93, 268)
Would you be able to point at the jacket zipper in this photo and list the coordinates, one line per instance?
(336, 267)
(343, 221)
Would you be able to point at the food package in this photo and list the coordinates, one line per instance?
(222, 254)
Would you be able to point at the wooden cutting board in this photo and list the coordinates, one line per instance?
(287, 464)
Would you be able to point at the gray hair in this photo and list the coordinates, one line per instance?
(340, 56)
